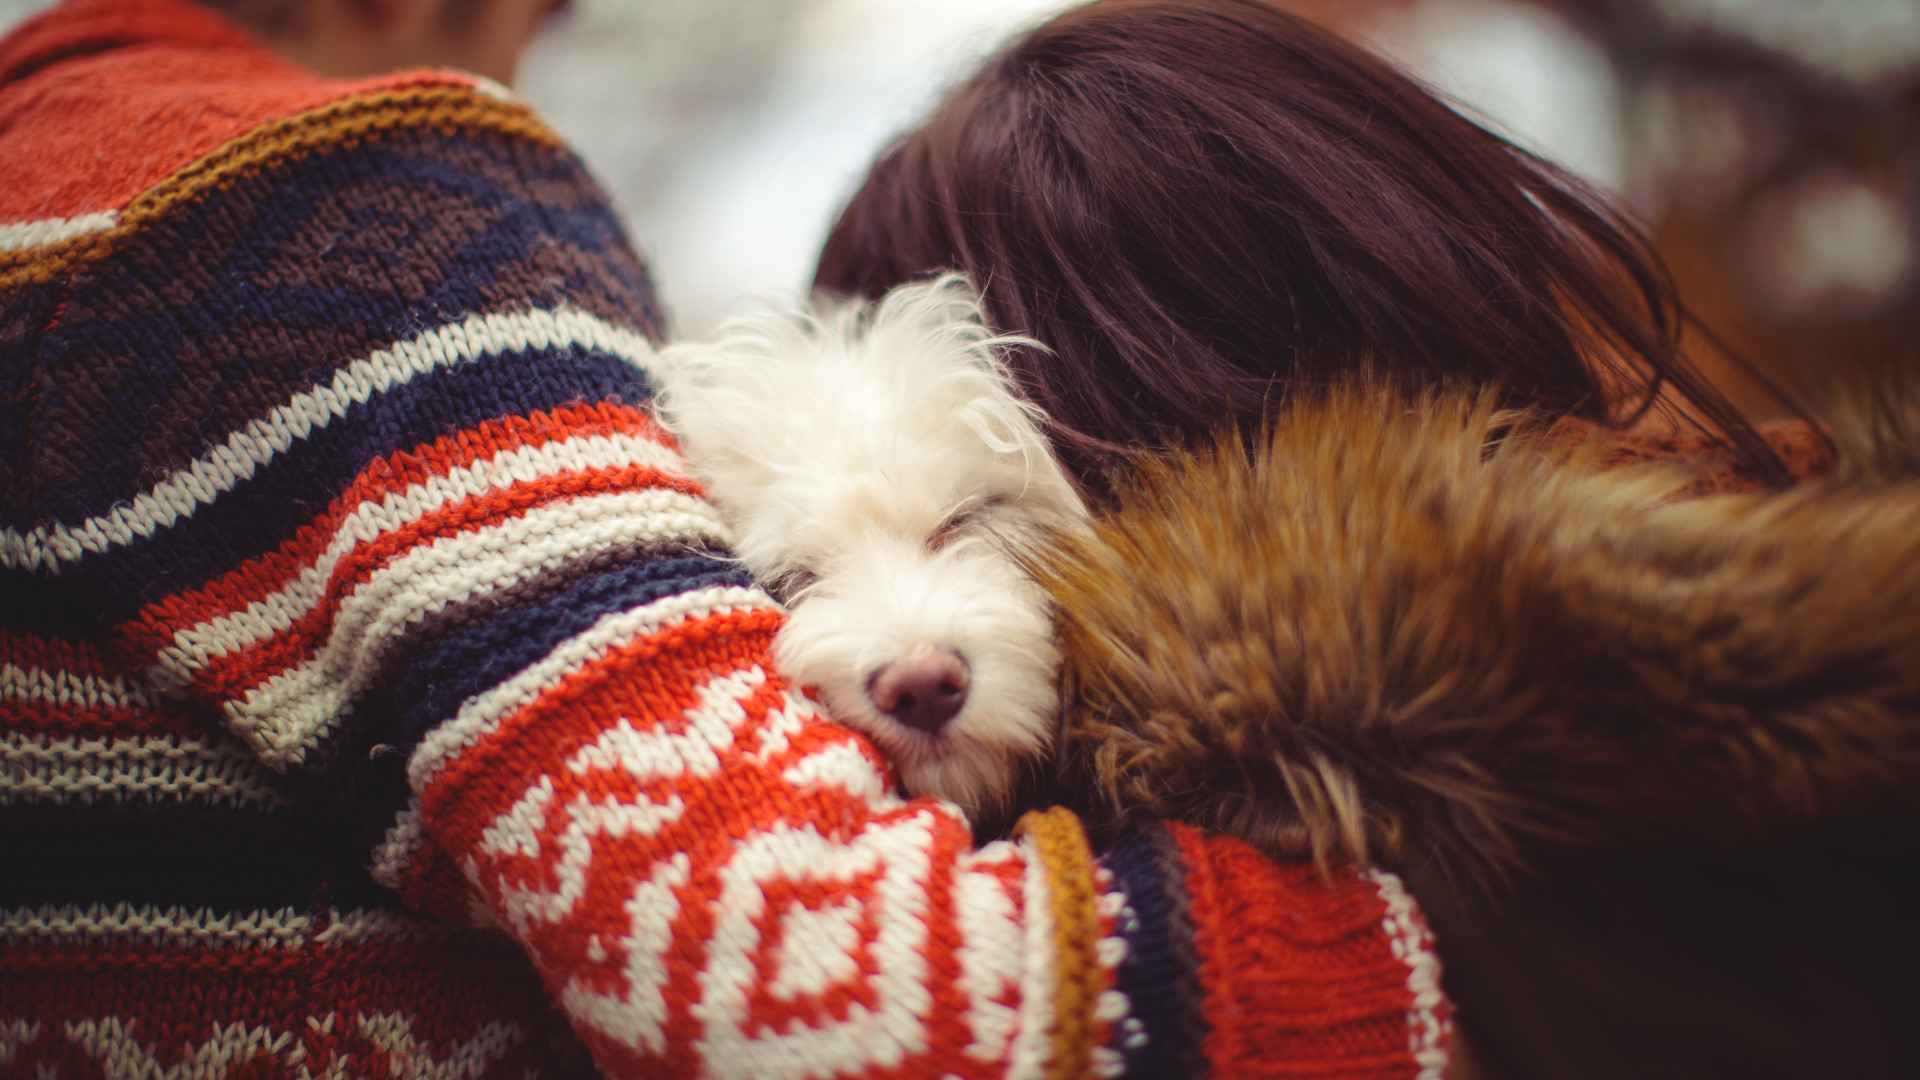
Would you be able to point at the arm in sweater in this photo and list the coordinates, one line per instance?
(345, 436)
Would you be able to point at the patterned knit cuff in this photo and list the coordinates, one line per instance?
(1166, 1028)
(1293, 972)
(1060, 844)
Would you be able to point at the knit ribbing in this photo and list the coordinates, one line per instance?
(1343, 984)
(1061, 845)
(1159, 973)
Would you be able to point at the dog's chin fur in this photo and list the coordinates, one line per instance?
(878, 471)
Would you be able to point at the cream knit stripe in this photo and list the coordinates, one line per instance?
(1033, 1038)
(155, 768)
(359, 926)
(286, 715)
(471, 1057)
(1413, 946)
(992, 957)
(13, 1035)
(221, 469)
(482, 715)
(193, 647)
(122, 1049)
(150, 926)
(1127, 1033)
(1111, 1009)
(21, 235)
(118, 1047)
(71, 690)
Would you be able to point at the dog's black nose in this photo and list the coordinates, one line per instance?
(923, 689)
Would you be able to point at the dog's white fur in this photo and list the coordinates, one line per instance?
(876, 470)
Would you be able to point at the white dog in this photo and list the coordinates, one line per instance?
(877, 470)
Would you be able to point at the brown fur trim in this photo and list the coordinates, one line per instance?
(1875, 422)
(1410, 622)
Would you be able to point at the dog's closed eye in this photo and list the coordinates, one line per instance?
(967, 514)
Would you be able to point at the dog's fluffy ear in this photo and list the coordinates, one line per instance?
(944, 318)
(713, 395)
(729, 400)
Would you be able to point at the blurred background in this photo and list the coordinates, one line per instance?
(1772, 147)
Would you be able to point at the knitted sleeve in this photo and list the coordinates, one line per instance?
(343, 436)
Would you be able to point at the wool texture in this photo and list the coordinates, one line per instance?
(378, 698)
(1406, 623)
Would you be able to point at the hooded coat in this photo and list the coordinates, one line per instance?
(1648, 756)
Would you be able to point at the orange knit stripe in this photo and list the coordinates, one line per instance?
(343, 122)
(154, 627)
(234, 674)
(1062, 846)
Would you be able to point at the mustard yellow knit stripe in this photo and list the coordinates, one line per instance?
(341, 123)
(1061, 844)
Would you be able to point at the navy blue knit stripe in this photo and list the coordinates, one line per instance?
(498, 641)
(24, 312)
(207, 317)
(269, 507)
(360, 774)
(1157, 976)
(272, 211)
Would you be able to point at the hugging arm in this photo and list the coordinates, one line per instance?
(445, 575)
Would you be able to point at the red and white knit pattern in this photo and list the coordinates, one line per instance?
(876, 943)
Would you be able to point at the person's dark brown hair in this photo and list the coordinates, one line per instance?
(1197, 203)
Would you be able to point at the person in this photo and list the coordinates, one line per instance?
(1190, 203)
(375, 695)
(1217, 217)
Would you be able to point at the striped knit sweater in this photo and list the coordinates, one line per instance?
(372, 701)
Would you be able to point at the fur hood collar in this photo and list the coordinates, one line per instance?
(1419, 623)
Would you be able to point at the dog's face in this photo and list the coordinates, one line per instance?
(878, 474)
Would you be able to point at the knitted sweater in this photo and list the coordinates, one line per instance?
(373, 700)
